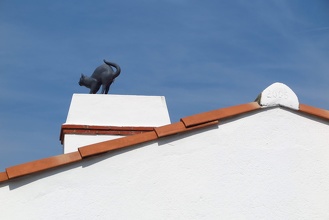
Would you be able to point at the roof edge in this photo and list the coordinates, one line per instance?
(318, 112)
(42, 164)
(189, 123)
(219, 114)
(115, 144)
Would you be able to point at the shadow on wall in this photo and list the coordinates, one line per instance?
(86, 162)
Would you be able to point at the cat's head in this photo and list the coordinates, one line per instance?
(82, 79)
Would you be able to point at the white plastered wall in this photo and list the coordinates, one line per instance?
(271, 164)
(118, 110)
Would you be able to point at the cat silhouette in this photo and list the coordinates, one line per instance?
(102, 76)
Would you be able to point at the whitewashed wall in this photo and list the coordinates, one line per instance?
(269, 165)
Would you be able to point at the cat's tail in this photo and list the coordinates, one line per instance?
(116, 66)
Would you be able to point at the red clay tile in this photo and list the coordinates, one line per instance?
(118, 143)
(322, 113)
(43, 164)
(179, 127)
(101, 130)
(203, 125)
(99, 127)
(3, 177)
(219, 114)
(170, 129)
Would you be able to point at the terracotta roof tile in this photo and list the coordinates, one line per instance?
(179, 127)
(118, 143)
(188, 123)
(219, 114)
(103, 130)
(43, 164)
(3, 177)
(170, 129)
(322, 113)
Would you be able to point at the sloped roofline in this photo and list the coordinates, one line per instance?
(193, 122)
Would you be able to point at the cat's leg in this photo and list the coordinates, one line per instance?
(107, 88)
(103, 89)
(94, 88)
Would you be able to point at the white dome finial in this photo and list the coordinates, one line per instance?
(278, 94)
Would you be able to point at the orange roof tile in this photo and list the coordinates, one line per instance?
(322, 113)
(104, 130)
(3, 177)
(219, 114)
(118, 143)
(179, 127)
(186, 124)
(43, 164)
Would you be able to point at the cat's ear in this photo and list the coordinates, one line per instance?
(82, 76)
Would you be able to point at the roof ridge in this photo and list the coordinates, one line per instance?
(189, 123)
(219, 114)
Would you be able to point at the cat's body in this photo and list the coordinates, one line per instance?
(102, 76)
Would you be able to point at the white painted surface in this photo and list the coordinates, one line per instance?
(279, 94)
(118, 110)
(267, 165)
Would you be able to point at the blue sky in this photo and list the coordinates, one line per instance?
(200, 55)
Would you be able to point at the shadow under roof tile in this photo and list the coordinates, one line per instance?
(42, 164)
(118, 143)
(219, 114)
(322, 113)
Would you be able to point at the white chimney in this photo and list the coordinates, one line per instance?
(95, 118)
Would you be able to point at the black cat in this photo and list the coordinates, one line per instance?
(102, 76)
